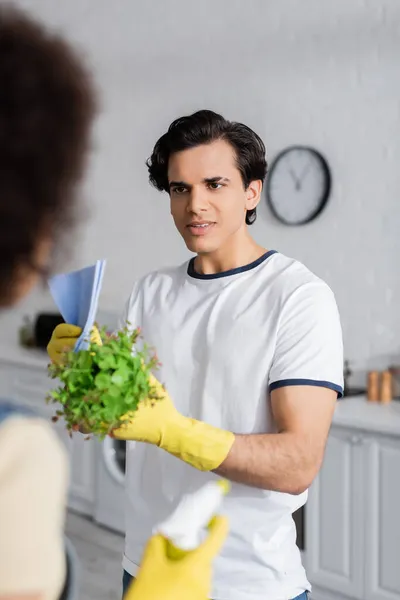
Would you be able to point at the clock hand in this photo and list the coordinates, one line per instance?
(305, 171)
(302, 176)
(296, 181)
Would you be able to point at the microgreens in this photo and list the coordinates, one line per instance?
(103, 383)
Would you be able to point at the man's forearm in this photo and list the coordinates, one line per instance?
(283, 462)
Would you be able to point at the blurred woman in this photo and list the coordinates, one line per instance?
(47, 105)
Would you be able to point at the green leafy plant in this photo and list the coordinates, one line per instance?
(100, 385)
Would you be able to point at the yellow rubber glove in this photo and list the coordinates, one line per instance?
(162, 578)
(64, 338)
(158, 422)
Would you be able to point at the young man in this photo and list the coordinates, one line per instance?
(251, 351)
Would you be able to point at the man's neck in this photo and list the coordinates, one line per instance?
(232, 255)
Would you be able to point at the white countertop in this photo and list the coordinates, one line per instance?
(352, 411)
(14, 354)
(356, 412)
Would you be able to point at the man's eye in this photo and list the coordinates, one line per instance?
(214, 185)
(179, 190)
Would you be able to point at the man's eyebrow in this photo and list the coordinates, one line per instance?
(217, 179)
(178, 184)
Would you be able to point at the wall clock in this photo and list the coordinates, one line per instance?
(298, 185)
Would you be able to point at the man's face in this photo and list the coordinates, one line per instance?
(208, 199)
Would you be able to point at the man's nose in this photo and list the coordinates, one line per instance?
(197, 200)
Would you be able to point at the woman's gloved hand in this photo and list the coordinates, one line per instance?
(158, 422)
(64, 339)
(162, 578)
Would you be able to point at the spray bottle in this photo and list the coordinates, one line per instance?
(185, 528)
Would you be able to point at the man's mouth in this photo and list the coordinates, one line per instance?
(200, 227)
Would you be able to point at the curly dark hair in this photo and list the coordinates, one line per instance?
(204, 127)
(47, 104)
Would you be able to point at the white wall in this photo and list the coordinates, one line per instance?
(315, 72)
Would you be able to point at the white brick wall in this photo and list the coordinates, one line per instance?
(315, 72)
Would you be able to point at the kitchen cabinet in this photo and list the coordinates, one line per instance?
(382, 536)
(24, 380)
(352, 516)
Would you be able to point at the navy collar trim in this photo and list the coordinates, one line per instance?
(192, 273)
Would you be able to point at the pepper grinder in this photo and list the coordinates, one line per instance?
(386, 388)
(373, 386)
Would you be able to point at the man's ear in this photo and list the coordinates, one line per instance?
(253, 194)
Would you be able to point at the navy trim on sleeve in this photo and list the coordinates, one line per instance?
(313, 382)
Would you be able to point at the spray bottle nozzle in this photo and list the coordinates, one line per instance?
(185, 528)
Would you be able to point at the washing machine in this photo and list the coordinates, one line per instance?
(109, 507)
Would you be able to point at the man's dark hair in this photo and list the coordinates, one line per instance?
(47, 104)
(204, 127)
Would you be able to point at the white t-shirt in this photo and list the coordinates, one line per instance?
(224, 341)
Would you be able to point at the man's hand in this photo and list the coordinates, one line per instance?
(158, 422)
(162, 578)
(64, 339)
(150, 420)
(289, 460)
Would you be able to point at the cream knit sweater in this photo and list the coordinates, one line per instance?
(33, 488)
